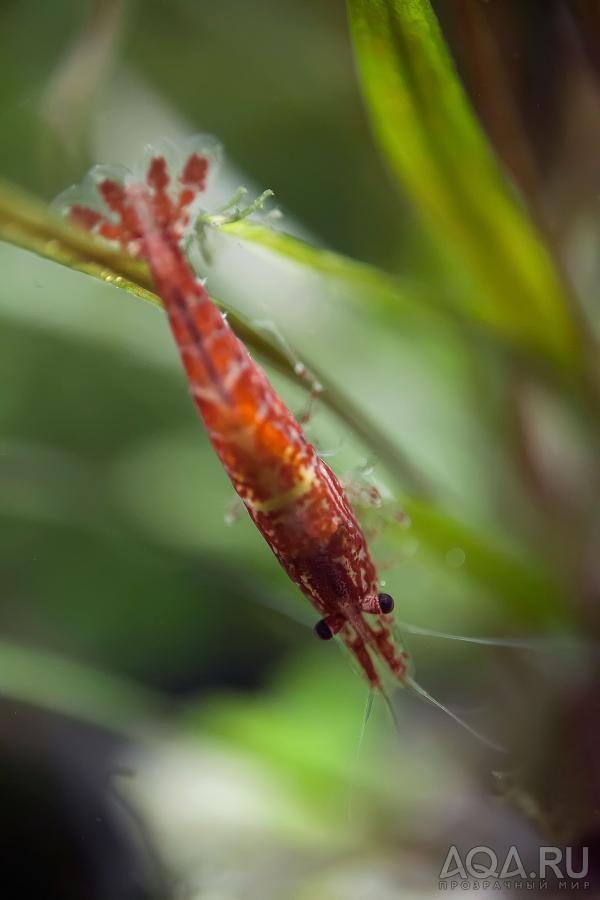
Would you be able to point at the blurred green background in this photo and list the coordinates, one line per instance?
(155, 656)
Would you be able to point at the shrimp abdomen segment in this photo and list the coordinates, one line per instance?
(259, 442)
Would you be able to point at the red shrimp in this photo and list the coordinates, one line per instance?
(291, 494)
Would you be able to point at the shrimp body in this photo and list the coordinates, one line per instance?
(292, 496)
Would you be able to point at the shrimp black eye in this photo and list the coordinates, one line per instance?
(323, 631)
(386, 603)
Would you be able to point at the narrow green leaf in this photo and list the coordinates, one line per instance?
(503, 275)
(382, 290)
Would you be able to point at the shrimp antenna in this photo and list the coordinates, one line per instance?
(424, 695)
(517, 643)
(366, 717)
(359, 744)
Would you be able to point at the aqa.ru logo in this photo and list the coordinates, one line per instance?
(482, 865)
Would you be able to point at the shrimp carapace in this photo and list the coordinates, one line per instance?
(292, 496)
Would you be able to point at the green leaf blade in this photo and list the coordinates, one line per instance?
(437, 151)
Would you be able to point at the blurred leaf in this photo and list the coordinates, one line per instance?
(312, 729)
(71, 94)
(313, 743)
(503, 276)
(71, 689)
(521, 586)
